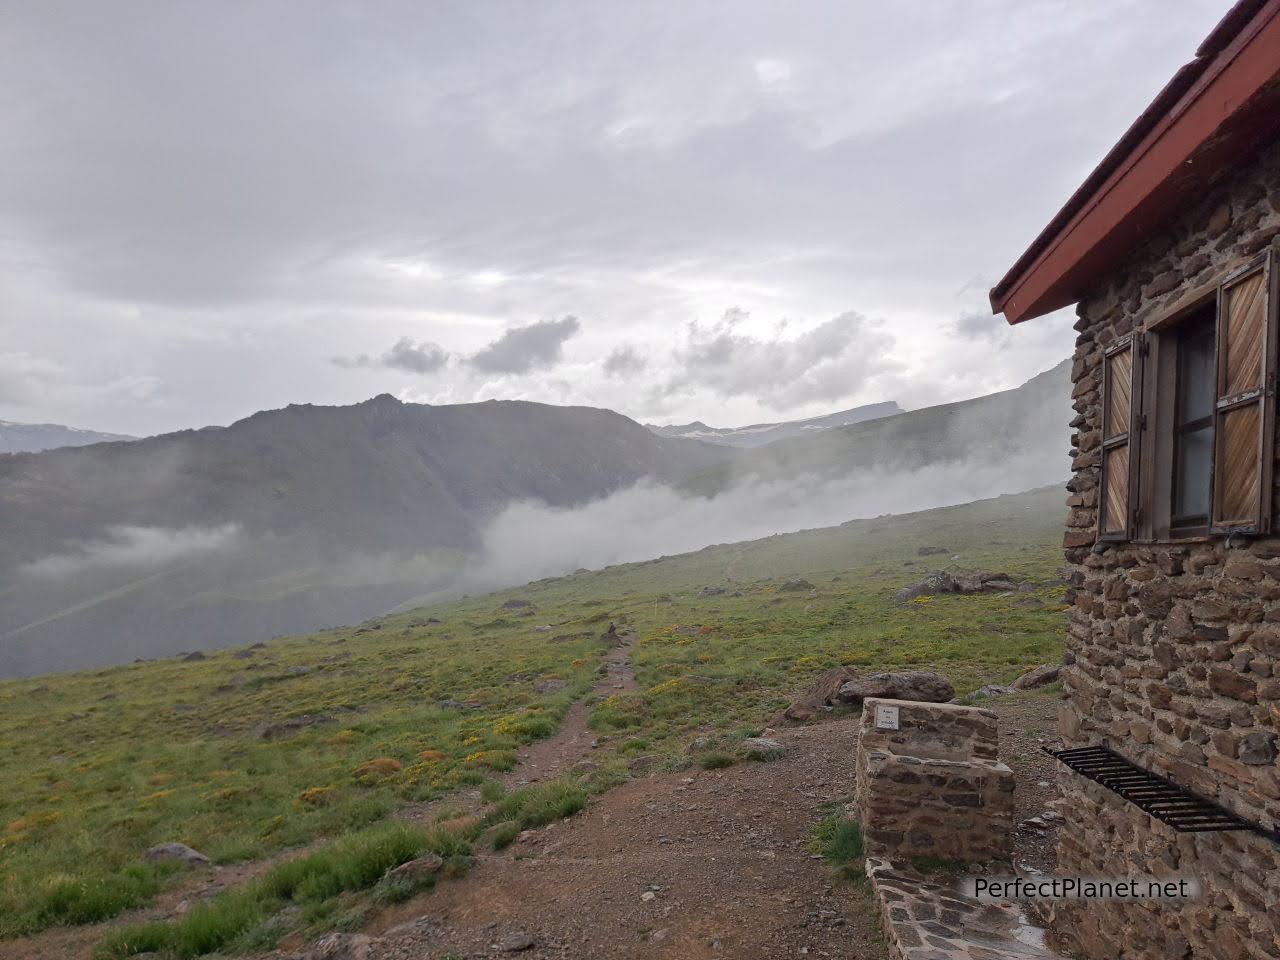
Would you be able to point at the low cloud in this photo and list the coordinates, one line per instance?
(405, 354)
(825, 363)
(529, 541)
(521, 349)
(133, 546)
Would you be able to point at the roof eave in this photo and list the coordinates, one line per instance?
(1155, 164)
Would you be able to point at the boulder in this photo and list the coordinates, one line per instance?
(820, 696)
(415, 871)
(801, 712)
(919, 685)
(194, 657)
(931, 551)
(1037, 677)
(517, 604)
(175, 852)
(712, 592)
(516, 942)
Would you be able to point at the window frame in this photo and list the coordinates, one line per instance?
(1151, 457)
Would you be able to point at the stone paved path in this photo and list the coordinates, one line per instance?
(928, 919)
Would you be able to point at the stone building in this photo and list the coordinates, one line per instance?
(1171, 252)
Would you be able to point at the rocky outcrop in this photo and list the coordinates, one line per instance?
(958, 581)
(293, 726)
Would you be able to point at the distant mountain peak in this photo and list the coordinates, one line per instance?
(34, 437)
(758, 434)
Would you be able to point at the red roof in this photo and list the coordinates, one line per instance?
(1219, 108)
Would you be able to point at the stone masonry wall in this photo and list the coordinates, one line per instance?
(933, 787)
(1173, 651)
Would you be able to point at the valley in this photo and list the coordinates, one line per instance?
(296, 519)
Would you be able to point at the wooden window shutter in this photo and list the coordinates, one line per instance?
(1115, 518)
(1244, 414)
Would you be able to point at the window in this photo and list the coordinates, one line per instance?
(1188, 419)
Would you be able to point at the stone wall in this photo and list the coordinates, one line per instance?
(933, 787)
(1173, 652)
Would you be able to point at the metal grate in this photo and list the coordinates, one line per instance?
(1162, 799)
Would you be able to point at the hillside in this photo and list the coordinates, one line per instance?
(289, 519)
(247, 753)
(758, 434)
(34, 437)
(1018, 431)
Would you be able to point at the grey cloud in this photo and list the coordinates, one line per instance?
(833, 360)
(470, 163)
(23, 377)
(624, 360)
(521, 349)
(405, 355)
(980, 325)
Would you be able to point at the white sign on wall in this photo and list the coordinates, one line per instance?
(886, 717)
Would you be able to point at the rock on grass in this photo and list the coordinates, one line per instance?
(176, 853)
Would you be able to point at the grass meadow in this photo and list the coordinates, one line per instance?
(314, 740)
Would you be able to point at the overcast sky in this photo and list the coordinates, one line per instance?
(726, 211)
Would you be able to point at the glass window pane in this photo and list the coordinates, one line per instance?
(1191, 474)
(1196, 376)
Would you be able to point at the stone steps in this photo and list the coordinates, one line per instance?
(928, 919)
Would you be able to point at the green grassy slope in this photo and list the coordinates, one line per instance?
(100, 765)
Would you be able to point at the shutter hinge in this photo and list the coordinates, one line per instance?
(1137, 516)
(1144, 346)
(1142, 421)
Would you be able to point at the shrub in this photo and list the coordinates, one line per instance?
(540, 804)
(505, 833)
(716, 761)
(315, 797)
(375, 771)
(354, 862)
(89, 899)
(838, 840)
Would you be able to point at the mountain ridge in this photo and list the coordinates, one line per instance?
(759, 434)
(37, 437)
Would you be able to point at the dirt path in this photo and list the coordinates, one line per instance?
(547, 759)
(682, 866)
